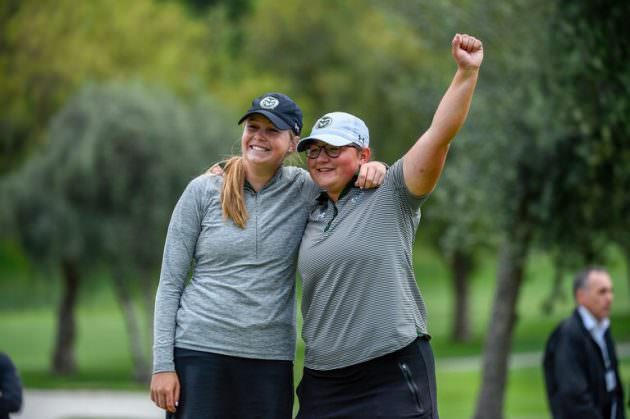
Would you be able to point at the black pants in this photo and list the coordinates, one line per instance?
(397, 385)
(217, 386)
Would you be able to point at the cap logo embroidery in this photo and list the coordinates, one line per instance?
(324, 122)
(269, 102)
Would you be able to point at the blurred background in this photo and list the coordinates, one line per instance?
(109, 107)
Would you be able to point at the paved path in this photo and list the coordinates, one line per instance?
(84, 404)
(521, 360)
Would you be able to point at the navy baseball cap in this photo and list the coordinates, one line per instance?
(280, 109)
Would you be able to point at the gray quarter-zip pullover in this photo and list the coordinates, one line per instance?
(240, 299)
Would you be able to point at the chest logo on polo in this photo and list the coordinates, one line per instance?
(269, 102)
(324, 121)
(357, 197)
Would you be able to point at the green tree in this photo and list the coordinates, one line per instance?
(511, 140)
(491, 190)
(591, 177)
(457, 219)
(353, 56)
(117, 158)
(566, 194)
(48, 49)
(48, 233)
(457, 224)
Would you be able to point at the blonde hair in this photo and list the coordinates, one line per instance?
(232, 191)
(232, 195)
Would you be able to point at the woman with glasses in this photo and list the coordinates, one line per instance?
(367, 343)
(224, 340)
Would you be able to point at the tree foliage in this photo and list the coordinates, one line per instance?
(562, 161)
(132, 149)
(49, 48)
(235, 8)
(591, 174)
(348, 56)
(101, 192)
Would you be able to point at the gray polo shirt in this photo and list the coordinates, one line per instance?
(360, 299)
(240, 298)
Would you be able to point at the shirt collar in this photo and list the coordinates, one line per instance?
(323, 196)
(590, 322)
(273, 179)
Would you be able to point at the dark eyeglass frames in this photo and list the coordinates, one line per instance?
(333, 152)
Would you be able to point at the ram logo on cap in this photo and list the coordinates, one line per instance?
(269, 102)
(324, 122)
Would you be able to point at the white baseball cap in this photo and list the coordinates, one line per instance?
(338, 129)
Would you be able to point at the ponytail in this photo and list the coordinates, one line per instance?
(232, 196)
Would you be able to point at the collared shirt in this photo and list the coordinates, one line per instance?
(360, 299)
(597, 330)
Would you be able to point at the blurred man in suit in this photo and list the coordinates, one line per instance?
(580, 362)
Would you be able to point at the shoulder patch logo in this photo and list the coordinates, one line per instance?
(324, 122)
(269, 102)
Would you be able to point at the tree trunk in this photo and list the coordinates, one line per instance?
(461, 267)
(64, 360)
(499, 339)
(141, 373)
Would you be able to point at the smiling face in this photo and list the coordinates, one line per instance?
(333, 174)
(263, 145)
(597, 294)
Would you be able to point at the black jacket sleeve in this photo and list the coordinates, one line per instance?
(10, 386)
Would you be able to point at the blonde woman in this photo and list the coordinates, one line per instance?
(225, 340)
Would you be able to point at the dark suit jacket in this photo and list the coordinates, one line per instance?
(10, 387)
(574, 373)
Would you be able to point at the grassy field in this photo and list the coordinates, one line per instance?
(525, 398)
(27, 328)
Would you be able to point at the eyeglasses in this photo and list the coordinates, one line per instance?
(333, 152)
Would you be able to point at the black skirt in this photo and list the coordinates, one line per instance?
(397, 385)
(215, 386)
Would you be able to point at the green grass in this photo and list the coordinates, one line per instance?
(525, 397)
(102, 350)
(28, 305)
